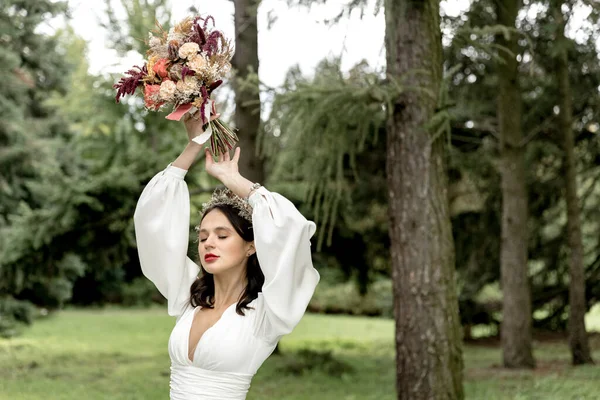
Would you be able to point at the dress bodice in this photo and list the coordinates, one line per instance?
(229, 345)
(229, 350)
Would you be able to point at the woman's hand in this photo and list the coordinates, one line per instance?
(226, 168)
(193, 123)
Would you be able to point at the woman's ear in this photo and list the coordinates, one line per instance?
(251, 250)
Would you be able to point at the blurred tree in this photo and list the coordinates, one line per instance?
(475, 189)
(578, 339)
(246, 87)
(83, 194)
(31, 137)
(516, 330)
(84, 169)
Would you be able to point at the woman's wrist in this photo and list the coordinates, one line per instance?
(188, 156)
(233, 180)
(237, 184)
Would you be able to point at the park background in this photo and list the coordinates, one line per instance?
(79, 321)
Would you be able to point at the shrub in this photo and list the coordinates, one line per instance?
(307, 360)
(13, 314)
(346, 299)
(140, 293)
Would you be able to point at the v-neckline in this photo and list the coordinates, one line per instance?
(194, 313)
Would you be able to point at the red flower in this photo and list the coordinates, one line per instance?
(151, 97)
(160, 67)
(128, 84)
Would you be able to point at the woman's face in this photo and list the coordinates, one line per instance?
(220, 247)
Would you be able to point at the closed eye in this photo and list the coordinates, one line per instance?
(220, 237)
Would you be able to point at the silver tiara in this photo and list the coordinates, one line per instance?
(227, 197)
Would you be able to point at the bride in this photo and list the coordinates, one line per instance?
(253, 284)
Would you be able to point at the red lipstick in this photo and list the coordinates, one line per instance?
(209, 257)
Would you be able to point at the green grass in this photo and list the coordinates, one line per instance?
(122, 354)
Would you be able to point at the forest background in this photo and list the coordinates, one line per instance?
(73, 162)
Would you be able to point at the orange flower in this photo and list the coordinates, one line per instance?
(151, 97)
(160, 67)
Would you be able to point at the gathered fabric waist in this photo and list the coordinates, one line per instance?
(192, 383)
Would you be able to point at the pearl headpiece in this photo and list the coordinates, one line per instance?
(227, 197)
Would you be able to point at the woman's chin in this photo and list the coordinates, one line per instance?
(217, 267)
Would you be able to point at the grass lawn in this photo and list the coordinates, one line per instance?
(121, 354)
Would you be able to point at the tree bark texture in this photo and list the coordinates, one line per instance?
(428, 337)
(247, 99)
(516, 328)
(578, 338)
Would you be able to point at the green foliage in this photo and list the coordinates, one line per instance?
(130, 33)
(319, 127)
(345, 298)
(306, 360)
(75, 165)
(13, 314)
(30, 135)
(315, 130)
(140, 292)
(474, 177)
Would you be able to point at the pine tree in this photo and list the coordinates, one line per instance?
(30, 135)
(517, 316)
(578, 339)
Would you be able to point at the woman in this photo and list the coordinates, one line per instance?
(228, 320)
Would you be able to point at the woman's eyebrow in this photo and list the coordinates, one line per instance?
(218, 228)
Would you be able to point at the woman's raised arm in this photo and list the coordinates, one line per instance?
(282, 240)
(162, 223)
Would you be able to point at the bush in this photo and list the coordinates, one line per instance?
(13, 314)
(306, 360)
(140, 293)
(346, 299)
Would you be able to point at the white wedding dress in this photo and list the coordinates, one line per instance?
(231, 351)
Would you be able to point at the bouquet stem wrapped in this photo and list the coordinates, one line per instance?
(183, 68)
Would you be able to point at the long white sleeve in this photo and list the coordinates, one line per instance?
(282, 240)
(161, 220)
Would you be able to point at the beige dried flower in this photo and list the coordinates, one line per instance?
(155, 42)
(189, 50)
(197, 63)
(188, 86)
(167, 90)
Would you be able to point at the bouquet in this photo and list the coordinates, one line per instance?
(184, 66)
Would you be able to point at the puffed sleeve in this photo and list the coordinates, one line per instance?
(161, 220)
(282, 240)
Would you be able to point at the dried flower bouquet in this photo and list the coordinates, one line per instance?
(184, 66)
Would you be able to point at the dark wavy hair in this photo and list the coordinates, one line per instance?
(202, 291)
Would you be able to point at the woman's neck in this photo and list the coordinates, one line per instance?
(229, 288)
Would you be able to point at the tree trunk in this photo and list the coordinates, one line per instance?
(428, 341)
(247, 99)
(516, 329)
(578, 339)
